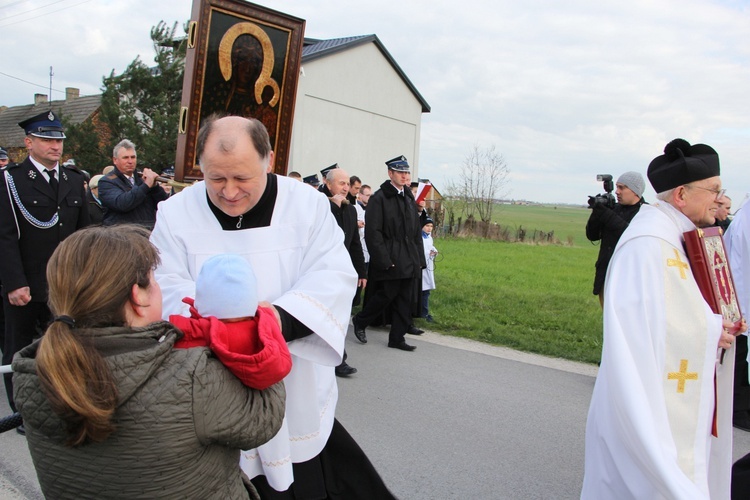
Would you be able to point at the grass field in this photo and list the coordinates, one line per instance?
(566, 221)
(535, 298)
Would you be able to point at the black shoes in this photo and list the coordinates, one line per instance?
(403, 346)
(429, 318)
(344, 370)
(741, 421)
(413, 330)
(359, 330)
(21, 430)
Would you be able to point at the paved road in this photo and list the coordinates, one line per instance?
(455, 419)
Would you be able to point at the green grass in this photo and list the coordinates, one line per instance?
(566, 221)
(534, 298)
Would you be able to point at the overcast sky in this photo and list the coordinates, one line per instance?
(564, 90)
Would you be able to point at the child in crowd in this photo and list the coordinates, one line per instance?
(428, 273)
(225, 317)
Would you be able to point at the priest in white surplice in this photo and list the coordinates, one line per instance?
(649, 428)
(286, 231)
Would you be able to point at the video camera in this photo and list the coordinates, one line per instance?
(607, 199)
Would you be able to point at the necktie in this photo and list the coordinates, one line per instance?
(52, 180)
(132, 181)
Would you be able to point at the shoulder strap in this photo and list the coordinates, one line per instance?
(10, 198)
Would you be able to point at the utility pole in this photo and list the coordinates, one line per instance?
(51, 74)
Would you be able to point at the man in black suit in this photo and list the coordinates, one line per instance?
(41, 203)
(394, 241)
(336, 188)
(129, 196)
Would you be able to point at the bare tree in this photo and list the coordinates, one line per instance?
(483, 179)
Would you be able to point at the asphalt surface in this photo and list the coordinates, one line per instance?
(454, 419)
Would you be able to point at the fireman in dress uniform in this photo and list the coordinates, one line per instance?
(41, 203)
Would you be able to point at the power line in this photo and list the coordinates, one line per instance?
(46, 87)
(42, 15)
(32, 10)
(12, 4)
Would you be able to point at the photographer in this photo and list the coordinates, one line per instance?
(609, 220)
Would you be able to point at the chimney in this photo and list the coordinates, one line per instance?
(40, 99)
(71, 93)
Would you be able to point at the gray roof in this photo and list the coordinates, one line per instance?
(74, 112)
(314, 49)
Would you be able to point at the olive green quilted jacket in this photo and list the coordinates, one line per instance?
(182, 419)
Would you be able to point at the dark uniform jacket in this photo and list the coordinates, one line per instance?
(393, 235)
(24, 259)
(125, 203)
(608, 225)
(346, 217)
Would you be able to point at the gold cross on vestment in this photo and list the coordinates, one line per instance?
(682, 375)
(677, 262)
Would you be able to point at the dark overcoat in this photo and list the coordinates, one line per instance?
(125, 203)
(346, 217)
(26, 247)
(607, 225)
(393, 235)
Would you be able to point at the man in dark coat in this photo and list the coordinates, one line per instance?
(394, 241)
(607, 223)
(128, 196)
(41, 203)
(336, 188)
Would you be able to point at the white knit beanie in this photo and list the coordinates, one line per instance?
(226, 288)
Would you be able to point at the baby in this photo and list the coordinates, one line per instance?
(225, 317)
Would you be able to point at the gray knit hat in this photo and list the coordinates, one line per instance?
(634, 181)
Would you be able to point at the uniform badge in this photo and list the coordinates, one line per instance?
(51, 116)
(65, 176)
(32, 174)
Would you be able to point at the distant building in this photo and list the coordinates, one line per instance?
(74, 110)
(355, 106)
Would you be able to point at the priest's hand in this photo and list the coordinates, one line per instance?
(273, 308)
(729, 332)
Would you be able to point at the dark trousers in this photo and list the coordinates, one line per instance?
(341, 471)
(425, 303)
(22, 325)
(397, 294)
(741, 385)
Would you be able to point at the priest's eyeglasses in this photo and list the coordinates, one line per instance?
(718, 192)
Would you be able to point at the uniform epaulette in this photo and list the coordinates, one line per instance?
(73, 168)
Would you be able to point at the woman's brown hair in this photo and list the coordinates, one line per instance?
(90, 275)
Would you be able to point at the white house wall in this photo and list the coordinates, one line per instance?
(353, 109)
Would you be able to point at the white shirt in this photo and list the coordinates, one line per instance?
(737, 241)
(301, 266)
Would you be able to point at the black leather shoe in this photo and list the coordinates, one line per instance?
(403, 346)
(413, 330)
(742, 422)
(359, 330)
(21, 430)
(344, 370)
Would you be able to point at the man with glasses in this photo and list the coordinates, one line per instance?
(722, 214)
(661, 389)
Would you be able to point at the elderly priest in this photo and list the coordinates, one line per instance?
(662, 389)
